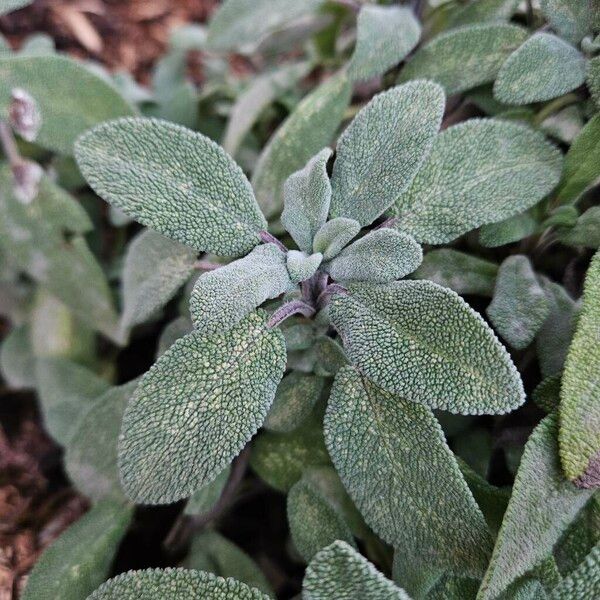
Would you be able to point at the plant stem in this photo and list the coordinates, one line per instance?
(288, 309)
(9, 145)
(267, 238)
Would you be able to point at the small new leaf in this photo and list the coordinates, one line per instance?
(197, 407)
(426, 344)
(543, 68)
(221, 298)
(302, 267)
(383, 148)
(381, 256)
(175, 181)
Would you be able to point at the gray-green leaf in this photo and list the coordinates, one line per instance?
(339, 572)
(385, 35)
(583, 582)
(197, 407)
(543, 68)
(306, 198)
(542, 505)
(174, 584)
(393, 459)
(334, 235)
(203, 499)
(466, 57)
(300, 266)
(520, 306)
(174, 180)
(507, 231)
(383, 148)
(221, 298)
(380, 256)
(481, 171)
(80, 559)
(572, 19)
(425, 343)
(586, 231)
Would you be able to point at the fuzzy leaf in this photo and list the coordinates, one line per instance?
(507, 231)
(554, 337)
(334, 235)
(583, 582)
(481, 171)
(174, 584)
(481, 11)
(451, 587)
(203, 499)
(260, 93)
(466, 57)
(59, 262)
(547, 393)
(295, 399)
(80, 559)
(174, 330)
(572, 19)
(586, 231)
(543, 68)
(542, 505)
(330, 357)
(155, 268)
(175, 181)
(302, 267)
(520, 306)
(425, 343)
(241, 25)
(314, 522)
(310, 127)
(581, 162)
(280, 459)
(463, 273)
(210, 551)
(8, 6)
(580, 390)
(380, 256)
(91, 457)
(306, 198)
(385, 35)
(197, 407)
(66, 390)
(70, 98)
(221, 298)
(392, 458)
(17, 361)
(339, 572)
(382, 149)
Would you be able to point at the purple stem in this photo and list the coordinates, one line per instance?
(387, 223)
(330, 290)
(267, 238)
(288, 309)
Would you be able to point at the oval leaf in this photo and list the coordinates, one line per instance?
(175, 181)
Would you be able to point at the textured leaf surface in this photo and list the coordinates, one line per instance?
(295, 399)
(451, 587)
(542, 505)
(382, 149)
(461, 272)
(33, 235)
(79, 560)
(520, 306)
(334, 235)
(581, 162)
(203, 499)
(586, 231)
(221, 298)
(17, 361)
(301, 266)
(423, 342)
(380, 256)
(306, 131)
(582, 583)
(385, 35)
(174, 584)
(210, 551)
(465, 57)
(174, 330)
(10, 5)
(155, 268)
(339, 572)
(197, 407)
(507, 231)
(314, 522)
(66, 390)
(259, 94)
(70, 97)
(330, 356)
(480, 11)
(91, 457)
(243, 24)
(572, 19)
(478, 172)
(580, 391)
(543, 68)
(175, 181)
(393, 459)
(306, 198)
